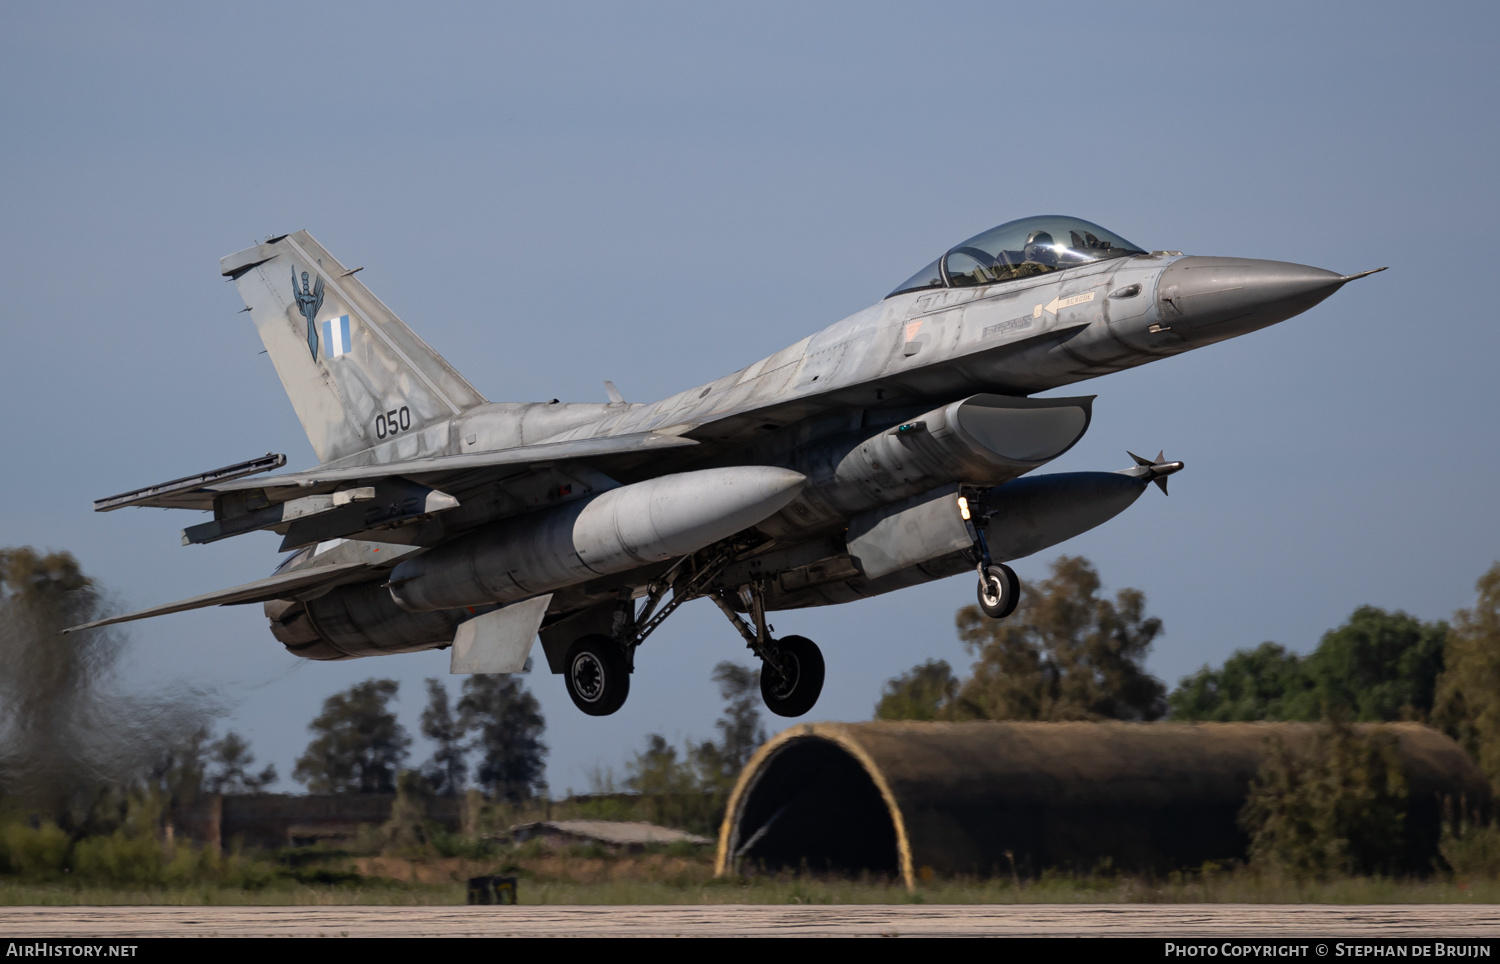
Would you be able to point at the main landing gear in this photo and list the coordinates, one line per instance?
(597, 668)
(791, 673)
(793, 686)
(596, 674)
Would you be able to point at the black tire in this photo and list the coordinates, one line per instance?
(794, 689)
(595, 675)
(999, 591)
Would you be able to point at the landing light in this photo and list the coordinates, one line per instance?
(963, 508)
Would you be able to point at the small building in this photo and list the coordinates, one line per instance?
(618, 834)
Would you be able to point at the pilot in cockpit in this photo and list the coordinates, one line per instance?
(1040, 249)
(1020, 249)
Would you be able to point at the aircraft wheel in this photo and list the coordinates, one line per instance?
(792, 686)
(596, 676)
(999, 591)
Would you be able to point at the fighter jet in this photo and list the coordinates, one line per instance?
(892, 448)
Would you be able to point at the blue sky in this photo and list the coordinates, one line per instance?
(660, 194)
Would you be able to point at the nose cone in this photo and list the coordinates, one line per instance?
(1230, 296)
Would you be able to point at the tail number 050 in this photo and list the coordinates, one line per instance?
(392, 422)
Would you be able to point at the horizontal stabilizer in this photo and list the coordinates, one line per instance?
(261, 590)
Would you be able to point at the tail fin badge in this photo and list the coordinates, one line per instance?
(308, 302)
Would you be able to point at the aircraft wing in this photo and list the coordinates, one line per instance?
(198, 492)
(261, 590)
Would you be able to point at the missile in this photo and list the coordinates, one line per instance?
(1153, 470)
(617, 530)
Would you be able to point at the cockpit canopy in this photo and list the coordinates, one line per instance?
(1020, 249)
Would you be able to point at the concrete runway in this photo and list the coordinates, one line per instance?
(1179, 921)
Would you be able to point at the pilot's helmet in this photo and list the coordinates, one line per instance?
(1039, 248)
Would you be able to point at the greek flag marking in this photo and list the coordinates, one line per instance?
(336, 336)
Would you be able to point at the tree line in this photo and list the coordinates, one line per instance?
(76, 746)
(1070, 653)
(1337, 805)
(359, 746)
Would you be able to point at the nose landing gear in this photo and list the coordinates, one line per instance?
(999, 589)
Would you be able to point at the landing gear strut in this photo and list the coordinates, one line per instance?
(791, 674)
(597, 668)
(999, 589)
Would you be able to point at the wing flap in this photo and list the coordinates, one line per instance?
(261, 590)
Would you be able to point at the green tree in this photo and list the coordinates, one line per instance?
(69, 737)
(448, 771)
(740, 729)
(689, 789)
(924, 693)
(358, 746)
(50, 689)
(659, 771)
(1377, 666)
(408, 831)
(1064, 654)
(1336, 805)
(1468, 692)
(179, 774)
(509, 725)
(231, 761)
(1264, 683)
(677, 790)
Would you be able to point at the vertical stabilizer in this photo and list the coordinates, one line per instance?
(356, 375)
